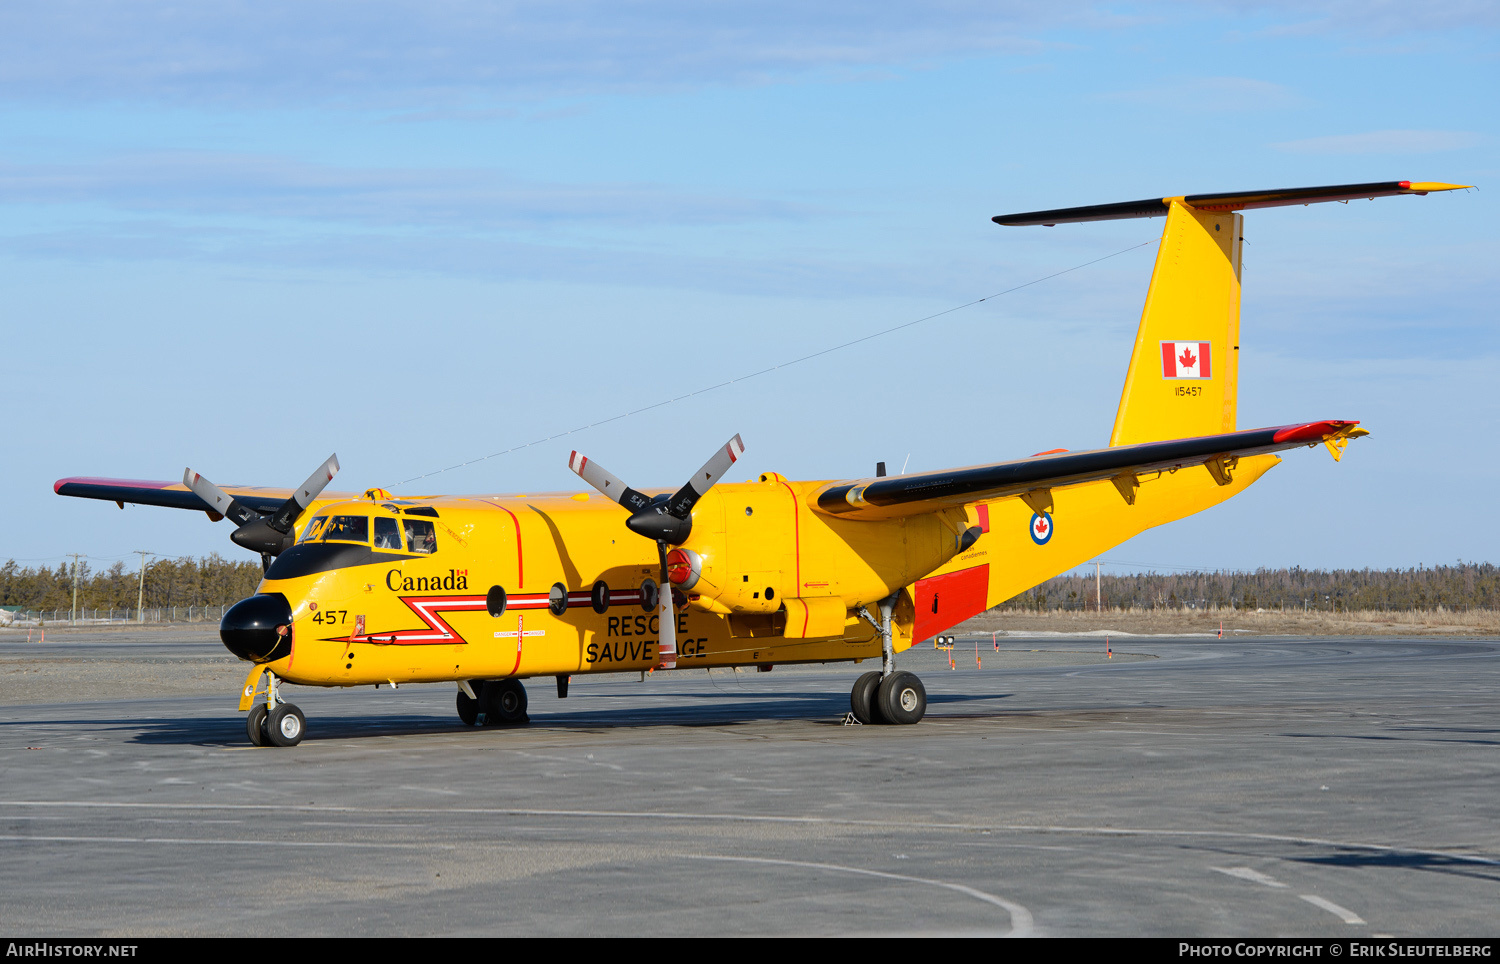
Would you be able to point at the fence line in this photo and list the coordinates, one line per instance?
(112, 617)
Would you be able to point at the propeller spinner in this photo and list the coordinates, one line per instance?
(666, 520)
(268, 535)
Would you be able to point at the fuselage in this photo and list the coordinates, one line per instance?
(408, 589)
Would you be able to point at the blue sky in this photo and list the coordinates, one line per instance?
(242, 236)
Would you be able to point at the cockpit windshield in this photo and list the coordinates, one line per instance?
(420, 535)
(347, 528)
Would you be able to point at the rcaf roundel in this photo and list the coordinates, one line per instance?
(1185, 359)
(1041, 528)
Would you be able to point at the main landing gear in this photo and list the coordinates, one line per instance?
(887, 696)
(492, 702)
(275, 722)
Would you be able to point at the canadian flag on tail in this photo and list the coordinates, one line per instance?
(1185, 359)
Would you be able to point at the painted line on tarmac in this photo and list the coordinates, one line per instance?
(224, 842)
(1246, 873)
(1349, 916)
(1021, 921)
(657, 815)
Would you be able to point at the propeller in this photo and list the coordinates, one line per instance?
(269, 535)
(666, 520)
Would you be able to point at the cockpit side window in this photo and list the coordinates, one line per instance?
(347, 528)
(314, 530)
(387, 533)
(421, 535)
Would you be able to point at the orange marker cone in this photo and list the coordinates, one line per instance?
(1109, 653)
(1221, 629)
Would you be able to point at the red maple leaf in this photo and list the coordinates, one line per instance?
(1041, 525)
(1187, 358)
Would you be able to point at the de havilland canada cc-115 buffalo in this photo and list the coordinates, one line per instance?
(488, 590)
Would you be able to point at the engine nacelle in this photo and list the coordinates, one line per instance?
(756, 545)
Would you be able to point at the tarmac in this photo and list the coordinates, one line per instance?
(1251, 787)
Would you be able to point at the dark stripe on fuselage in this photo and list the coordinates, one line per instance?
(313, 557)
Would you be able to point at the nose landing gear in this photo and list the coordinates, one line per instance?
(274, 722)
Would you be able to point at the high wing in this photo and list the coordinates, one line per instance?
(903, 495)
(173, 495)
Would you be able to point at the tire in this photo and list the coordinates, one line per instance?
(285, 725)
(255, 725)
(468, 708)
(901, 698)
(862, 698)
(504, 703)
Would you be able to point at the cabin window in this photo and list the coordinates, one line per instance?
(387, 533)
(421, 535)
(347, 528)
(314, 530)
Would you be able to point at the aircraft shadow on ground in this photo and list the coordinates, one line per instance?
(1423, 737)
(1397, 860)
(714, 709)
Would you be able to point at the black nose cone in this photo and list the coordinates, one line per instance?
(258, 628)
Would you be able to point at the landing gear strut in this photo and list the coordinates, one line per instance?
(887, 696)
(274, 722)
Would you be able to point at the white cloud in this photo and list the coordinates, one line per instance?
(207, 184)
(416, 53)
(1382, 142)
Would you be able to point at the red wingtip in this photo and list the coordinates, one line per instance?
(1311, 431)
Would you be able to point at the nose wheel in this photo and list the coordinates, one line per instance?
(274, 722)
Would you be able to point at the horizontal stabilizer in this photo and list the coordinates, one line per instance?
(1236, 201)
(904, 495)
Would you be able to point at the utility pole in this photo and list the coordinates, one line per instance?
(140, 592)
(1098, 594)
(73, 613)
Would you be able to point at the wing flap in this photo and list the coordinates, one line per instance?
(894, 496)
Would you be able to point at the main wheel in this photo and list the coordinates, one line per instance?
(901, 698)
(468, 708)
(255, 724)
(504, 703)
(862, 698)
(285, 725)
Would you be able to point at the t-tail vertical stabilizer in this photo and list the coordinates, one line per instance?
(1183, 379)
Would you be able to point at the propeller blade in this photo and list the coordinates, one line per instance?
(666, 646)
(288, 512)
(681, 504)
(608, 484)
(218, 500)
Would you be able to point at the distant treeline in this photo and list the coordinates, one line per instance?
(1462, 586)
(209, 581)
(216, 581)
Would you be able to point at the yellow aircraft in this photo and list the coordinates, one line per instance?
(489, 590)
